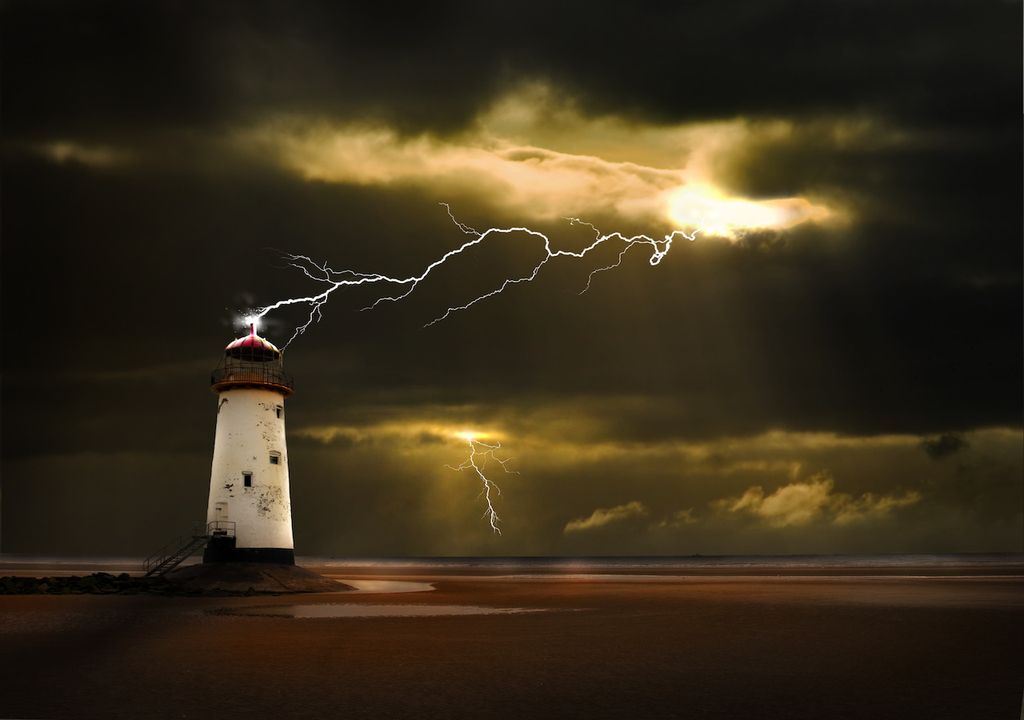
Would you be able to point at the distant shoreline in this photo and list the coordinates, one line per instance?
(980, 564)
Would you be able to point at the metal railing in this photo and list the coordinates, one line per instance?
(252, 374)
(220, 528)
(185, 545)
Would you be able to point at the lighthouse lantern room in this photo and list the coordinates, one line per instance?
(249, 514)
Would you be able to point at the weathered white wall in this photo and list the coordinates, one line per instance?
(248, 430)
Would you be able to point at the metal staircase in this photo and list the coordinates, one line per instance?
(184, 546)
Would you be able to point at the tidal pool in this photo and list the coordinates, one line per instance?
(384, 586)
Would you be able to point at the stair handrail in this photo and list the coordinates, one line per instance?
(158, 558)
(178, 544)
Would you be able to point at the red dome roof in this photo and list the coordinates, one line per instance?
(252, 347)
(251, 362)
(252, 341)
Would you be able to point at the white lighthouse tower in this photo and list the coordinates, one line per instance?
(249, 515)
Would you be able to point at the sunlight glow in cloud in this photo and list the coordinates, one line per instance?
(703, 206)
(409, 432)
(536, 158)
(473, 435)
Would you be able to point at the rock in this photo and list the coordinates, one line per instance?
(218, 579)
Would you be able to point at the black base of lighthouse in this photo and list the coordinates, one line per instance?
(223, 550)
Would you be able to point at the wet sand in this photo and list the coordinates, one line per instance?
(644, 645)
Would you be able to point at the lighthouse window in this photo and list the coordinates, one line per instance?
(275, 458)
(279, 409)
(247, 479)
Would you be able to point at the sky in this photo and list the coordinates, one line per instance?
(834, 365)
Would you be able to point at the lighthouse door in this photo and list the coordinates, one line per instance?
(220, 512)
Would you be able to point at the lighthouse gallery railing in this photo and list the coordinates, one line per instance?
(254, 373)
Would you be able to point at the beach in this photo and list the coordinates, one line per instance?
(754, 642)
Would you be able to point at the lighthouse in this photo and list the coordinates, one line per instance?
(249, 516)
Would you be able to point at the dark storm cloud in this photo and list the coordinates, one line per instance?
(93, 67)
(127, 250)
(943, 446)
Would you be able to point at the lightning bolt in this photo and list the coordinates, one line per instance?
(399, 288)
(479, 454)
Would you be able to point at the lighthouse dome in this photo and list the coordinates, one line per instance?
(251, 362)
(252, 347)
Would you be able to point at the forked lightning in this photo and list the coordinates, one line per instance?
(400, 288)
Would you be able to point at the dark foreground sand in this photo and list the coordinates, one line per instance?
(695, 647)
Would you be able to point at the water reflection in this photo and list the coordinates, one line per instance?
(363, 611)
(384, 586)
